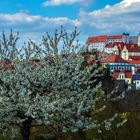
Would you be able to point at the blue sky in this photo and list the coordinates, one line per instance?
(36, 7)
(92, 17)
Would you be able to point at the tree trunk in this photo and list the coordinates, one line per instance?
(80, 135)
(25, 129)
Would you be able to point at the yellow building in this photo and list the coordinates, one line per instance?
(125, 76)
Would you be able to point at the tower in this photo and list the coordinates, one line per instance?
(124, 53)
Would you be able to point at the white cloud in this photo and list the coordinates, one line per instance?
(61, 2)
(37, 22)
(129, 2)
(34, 27)
(116, 19)
(121, 17)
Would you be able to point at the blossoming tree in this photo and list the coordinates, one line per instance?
(47, 84)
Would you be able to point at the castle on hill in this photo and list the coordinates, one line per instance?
(123, 56)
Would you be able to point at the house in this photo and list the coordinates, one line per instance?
(121, 54)
(136, 81)
(120, 69)
(126, 51)
(135, 39)
(136, 63)
(99, 42)
(118, 38)
(123, 75)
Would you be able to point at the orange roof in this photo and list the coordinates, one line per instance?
(102, 38)
(113, 59)
(109, 45)
(115, 75)
(115, 37)
(134, 61)
(132, 47)
(97, 39)
(120, 45)
(127, 75)
(134, 57)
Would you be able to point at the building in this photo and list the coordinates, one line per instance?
(121, 55)
(136, 81)
(99, 42)
(136, 63)
(126, 51)
(120, 69)
(135, 39)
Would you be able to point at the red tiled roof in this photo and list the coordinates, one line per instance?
(109, 45)
(127, 75)
(115, 37)
(132, 47)
(97, 39)
(113, 59)
(115, 75)
(129, 47)
(134, 61)
(120, 45)
(134, 57)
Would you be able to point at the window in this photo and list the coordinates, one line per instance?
(121, 76)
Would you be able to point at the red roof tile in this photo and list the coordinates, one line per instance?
(109, 45)
(113, 59)
(115, 75)
(115, 37)
(132, 47)
(120, 45)
(134, 57)
(134, 61)
(97, 39)
(128, 75)
(102, 38)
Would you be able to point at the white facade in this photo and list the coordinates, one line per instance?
(97, 45)
(114, 40)
(109, 50)
(134, 53)
(137, 84)
(107, 40)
